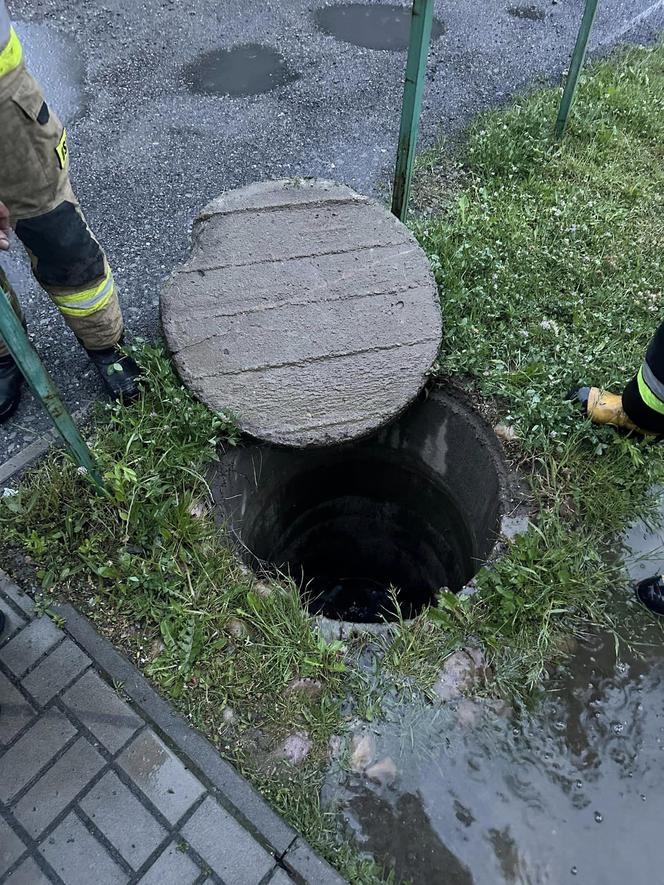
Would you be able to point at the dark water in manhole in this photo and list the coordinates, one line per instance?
(397, 516)
(363, 526)
(370, 26)
(534, 13)
(243, 70)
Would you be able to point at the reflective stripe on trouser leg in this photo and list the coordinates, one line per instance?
(4, 282)
(11, 55)
(70, 265)
(643, 398)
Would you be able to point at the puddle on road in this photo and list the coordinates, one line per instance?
(243, 70)
(57, 64)
(571, 792)
(373, 27)
(532, 13)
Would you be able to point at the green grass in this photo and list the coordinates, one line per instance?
(550, 262)
(551, 269)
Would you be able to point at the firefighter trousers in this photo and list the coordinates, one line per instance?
(67, 261)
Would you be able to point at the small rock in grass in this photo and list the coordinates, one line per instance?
(459, 673)
(505, 432)
(228, 715)
(198, 509)
(383, 772)
(156, 649)
(362, 751)
(567, 645)
(311, 688)
(263, 589)
(237, 628)
(477, 657)
(296, 747)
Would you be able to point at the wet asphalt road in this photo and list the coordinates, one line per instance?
(148, 152)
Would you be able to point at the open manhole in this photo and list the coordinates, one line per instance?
(403, 513)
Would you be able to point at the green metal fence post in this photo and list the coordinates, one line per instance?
(418, 50)
(575, 66)
(42, 385)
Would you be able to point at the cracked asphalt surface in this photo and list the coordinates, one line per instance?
(148, 152)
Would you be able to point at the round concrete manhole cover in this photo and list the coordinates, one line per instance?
(309, 311)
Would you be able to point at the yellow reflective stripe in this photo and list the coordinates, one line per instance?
(82, 304)
(648, 396)
(12, 55)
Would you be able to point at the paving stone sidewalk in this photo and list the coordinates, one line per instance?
(99, 788)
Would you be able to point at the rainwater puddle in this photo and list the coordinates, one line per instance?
(644, 545)
(373, 27)
(532, 13)
(244, 70)
(572, 791)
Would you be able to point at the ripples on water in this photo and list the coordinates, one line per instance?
(573, 789)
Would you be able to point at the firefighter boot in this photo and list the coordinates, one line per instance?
(651, 593)
(11, 382)
(119, 373)
(603, 407)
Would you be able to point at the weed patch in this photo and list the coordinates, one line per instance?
(551, 271)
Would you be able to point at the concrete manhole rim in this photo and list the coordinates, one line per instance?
(512, 499)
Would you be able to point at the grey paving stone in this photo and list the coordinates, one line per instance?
(160, 775)
(10, 589)
(13, 621)
(226, 846)
(172, 867)
(226, 779)
(100, 709)
(11, 847)
(78, 858)
(125, 821)
(28, 873)
(308, 866)
(15, 711)
(61, 783)
(56, 670)
(29, 645)
(24, 759)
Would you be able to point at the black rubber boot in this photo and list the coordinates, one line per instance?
(11, 382)
(119, 373)
(651, 593)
